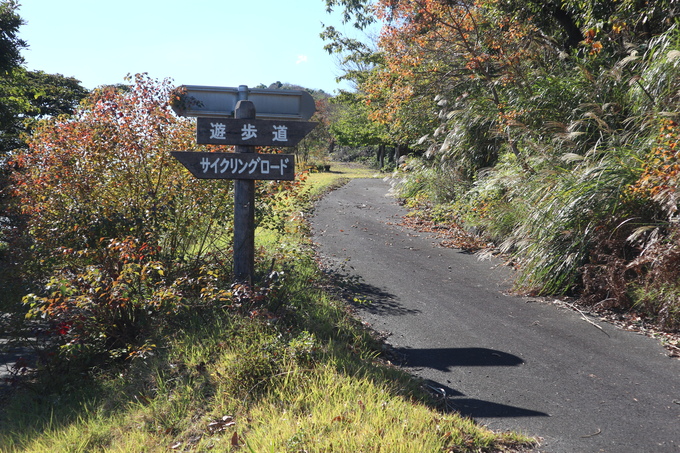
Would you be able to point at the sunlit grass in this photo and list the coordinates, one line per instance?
(328, 411)
(341, 172)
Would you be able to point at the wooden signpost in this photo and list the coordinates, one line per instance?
(277, 126)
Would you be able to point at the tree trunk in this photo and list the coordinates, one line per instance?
(381, 156)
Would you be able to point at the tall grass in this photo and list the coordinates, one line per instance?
(570, 214)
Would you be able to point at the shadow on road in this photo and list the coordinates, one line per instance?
(445, 359)
(471, 407)
(371, 299)
(368, 298)
(449, 400)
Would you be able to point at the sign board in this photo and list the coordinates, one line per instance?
(238, 165)
(230, 131)
(209, 101)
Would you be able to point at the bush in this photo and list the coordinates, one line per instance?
(107, 173)
(118, 231)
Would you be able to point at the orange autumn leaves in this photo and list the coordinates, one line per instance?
(660, 179)
(427, 44)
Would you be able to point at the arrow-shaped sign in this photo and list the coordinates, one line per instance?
(229, 131)
(238, 165)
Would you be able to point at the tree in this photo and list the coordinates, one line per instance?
(106, 172)
(11, 103)
(351, 127)
(357, 58)
(318, 144)
(27, 94)
(546, 118)
(31, 95)
(358, 12)
(53, 94)
(360, 60)
(10, 44)
(119, 236)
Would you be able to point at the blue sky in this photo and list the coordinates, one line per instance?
(197, 42)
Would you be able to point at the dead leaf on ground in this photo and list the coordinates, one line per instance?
(221, 425)
(341, 418)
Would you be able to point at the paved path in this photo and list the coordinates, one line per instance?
(509, 362)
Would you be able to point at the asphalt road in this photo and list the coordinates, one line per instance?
(511, 363)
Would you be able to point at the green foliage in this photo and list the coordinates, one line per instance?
(565, 223)
(356, 11)
(27, 94)
(317, 145)
(659, 301)
(13, 104)
(437, 184)
(351, 127)
(107, 307)
(53, 94)
(492, 205)
(31, 95)
(10, 43)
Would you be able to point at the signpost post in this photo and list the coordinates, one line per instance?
(244, 210)
(261, 117)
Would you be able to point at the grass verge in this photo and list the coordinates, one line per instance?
(341, 172)
(292, 371)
